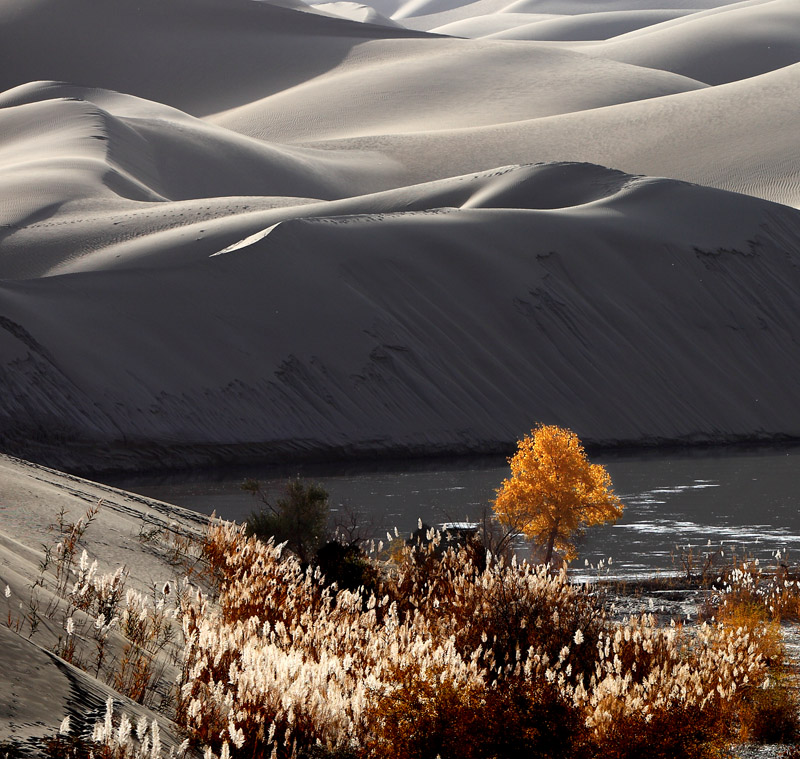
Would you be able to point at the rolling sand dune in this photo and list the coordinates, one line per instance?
(430, 14)
(163, 154)
(719, 46)
(587, 26)
(436, 90)
(199, 55)
(355, 12)
(740, 136)
(372, 332)
(245, 229)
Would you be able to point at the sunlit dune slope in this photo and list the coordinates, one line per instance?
(718, 46)
(740, 136)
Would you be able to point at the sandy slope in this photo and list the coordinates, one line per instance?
(431, 14)
(37, 688)
(198, 55)
(718, 46)
(422, 249)
(448, 84)
(365, 329)
(739, 136)
(587, 26)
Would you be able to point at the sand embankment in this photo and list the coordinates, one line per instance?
(37, 687)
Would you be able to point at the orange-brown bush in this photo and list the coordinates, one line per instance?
(747, 597)
(679, 731)
(773, 593)
(455, 659)
(427, 714)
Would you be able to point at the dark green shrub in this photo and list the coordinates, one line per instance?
(348, 566)
(299, 517)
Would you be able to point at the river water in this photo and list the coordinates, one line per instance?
(710, 501)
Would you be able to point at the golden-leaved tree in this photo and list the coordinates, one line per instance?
(554, 492)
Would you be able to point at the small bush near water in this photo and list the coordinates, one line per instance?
(299, 517)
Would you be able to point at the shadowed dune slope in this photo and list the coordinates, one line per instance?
(449, 328)
(39, 689)
(198, 55)
(75, 237)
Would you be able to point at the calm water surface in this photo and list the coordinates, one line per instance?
(747, 501)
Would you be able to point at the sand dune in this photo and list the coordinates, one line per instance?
(526, 26)
(355, 12)
(249, 229)
(448, 84)
(164, 153)
(740, 136)
(718, 46)
(369, 331)
(199, 55)
(575, 14)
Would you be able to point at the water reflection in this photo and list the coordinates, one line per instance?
(740, 500)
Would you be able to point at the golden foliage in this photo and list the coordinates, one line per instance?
(554, 491)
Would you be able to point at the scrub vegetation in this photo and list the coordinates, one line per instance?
(434, 647)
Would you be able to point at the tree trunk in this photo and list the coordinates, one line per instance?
(551, 541)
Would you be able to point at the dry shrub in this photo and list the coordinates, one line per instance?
(504, 609)
(458, 658)
(677, 732)
(747, 583)
(770, 714)
(115, 736)
(428, 714)
(672, 691)
(147, 624)
(747, 598)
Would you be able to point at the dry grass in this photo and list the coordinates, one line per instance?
(452, 653)
(454, 659)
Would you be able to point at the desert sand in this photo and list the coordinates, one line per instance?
(238, 230)
(38, 689)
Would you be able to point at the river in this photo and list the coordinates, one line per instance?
(712, 501)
